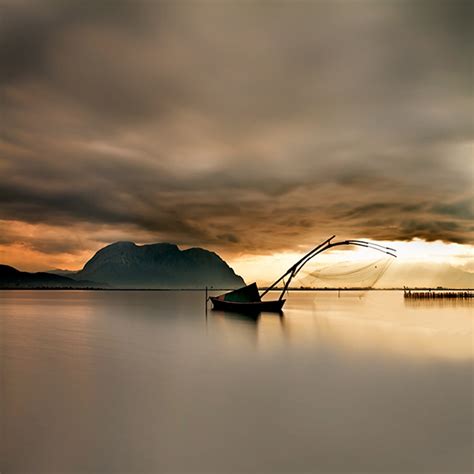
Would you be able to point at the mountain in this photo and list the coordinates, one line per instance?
(162, 265)
(66, 273)
(12, 278)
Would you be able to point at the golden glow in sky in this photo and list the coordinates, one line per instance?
(267, 268)
(40, 247)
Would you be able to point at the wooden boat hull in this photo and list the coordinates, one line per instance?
(247, 306)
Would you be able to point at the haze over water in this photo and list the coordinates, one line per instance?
(142, 381)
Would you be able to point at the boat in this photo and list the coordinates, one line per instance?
(248, 299)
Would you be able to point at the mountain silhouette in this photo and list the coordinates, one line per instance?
(12, 278)
(161, 265)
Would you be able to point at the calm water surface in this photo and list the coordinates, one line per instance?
(144, 382)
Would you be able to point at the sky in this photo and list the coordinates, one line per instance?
(253, 129)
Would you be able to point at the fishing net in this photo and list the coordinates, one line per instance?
(346, 274)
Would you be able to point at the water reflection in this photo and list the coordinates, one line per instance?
(382, 322)
(250, 318)
(142, 382)
(439, 302)
(264, 329)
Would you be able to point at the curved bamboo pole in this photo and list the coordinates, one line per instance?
(327, 244)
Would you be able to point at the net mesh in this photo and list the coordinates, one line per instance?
(362, 274)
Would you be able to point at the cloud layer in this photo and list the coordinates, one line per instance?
(241, 126)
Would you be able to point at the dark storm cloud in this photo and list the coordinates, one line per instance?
(30, 29)
(241, 125)
(463, 209)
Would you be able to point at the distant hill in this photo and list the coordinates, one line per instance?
(162, 265)
(12, 278)
(66, 273)
(429, 275)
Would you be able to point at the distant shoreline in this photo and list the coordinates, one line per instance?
(230, 289)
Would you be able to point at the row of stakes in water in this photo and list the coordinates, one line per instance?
(438, 294)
